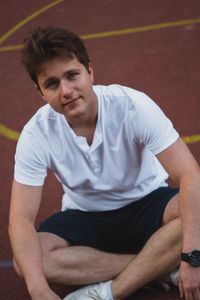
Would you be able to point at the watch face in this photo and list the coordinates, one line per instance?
(194, 258)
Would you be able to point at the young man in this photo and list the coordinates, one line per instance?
(112, 149)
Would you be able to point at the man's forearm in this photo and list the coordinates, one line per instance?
(27, 253)
(189, 276)
(189, 208)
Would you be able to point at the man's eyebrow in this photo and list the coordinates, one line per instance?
(49, 79)
(74, 69)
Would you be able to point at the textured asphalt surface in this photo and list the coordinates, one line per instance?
(163, 61)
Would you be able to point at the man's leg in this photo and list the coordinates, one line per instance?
(78, 265)
(160, 255)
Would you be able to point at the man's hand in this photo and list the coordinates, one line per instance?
(189, 282)
(44, 295)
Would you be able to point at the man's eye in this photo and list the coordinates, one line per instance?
(72, 75)
(51, 85)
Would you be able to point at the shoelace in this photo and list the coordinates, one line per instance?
(94, 295)
(172, 278)
(165, 285)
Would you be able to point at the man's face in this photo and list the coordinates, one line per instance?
(67, 86)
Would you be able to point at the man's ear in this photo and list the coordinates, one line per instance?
(38, 90)
(91, 72)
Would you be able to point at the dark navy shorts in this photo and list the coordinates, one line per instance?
(124, 230)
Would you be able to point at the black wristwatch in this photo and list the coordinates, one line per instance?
(193, 258)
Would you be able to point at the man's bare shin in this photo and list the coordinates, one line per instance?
(160, 255)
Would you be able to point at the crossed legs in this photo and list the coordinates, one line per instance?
(79, 265)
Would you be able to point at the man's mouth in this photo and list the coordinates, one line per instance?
(71, 102)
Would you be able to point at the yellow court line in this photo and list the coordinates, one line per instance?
(191, 139)
(14, 135)
(123, 31)
(26, 20)
(8, 48)
(139, 29)
(9, 133)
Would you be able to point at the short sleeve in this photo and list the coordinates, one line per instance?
(152, 128)
(30, 164)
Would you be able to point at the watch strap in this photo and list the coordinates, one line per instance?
(193, 258)
(185, 257)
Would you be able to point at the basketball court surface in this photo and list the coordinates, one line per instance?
(150, 45)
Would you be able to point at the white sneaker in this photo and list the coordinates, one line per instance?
(174, 277)
(170, 278)
(97, 291)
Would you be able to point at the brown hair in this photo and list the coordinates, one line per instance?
(45, 44)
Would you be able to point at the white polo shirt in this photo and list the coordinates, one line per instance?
(118, 168)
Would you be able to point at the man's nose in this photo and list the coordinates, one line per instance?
(66, 89)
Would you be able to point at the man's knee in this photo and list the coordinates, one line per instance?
(172, 210)
(50, 242)
(50, 246)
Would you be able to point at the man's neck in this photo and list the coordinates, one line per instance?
(85, 125)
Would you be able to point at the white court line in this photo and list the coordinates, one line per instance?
(6, 264)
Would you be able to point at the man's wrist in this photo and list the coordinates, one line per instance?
(191, 257)
(38, 287)
(39, 293)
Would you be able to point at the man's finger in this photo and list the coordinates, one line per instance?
(181, 289)
(189, 295)
(196, 294)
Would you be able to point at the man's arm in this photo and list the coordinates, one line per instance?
(182, 167)
(25, 202)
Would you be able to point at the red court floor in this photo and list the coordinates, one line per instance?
(159, 55)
